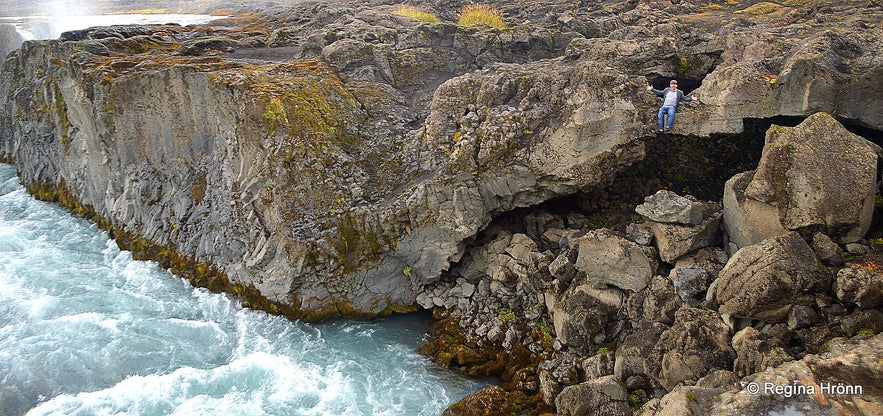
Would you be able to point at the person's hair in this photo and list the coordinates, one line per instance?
(673, 82)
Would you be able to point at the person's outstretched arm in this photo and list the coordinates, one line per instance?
(655, 91)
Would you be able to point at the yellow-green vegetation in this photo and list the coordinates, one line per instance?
(481, 14)
(357, 243)
(545, 330)
(274, 115)
(866, 332)
(415, 12)
(407, 271)
(506, 316)
(795, 3)
(64, 122)
(762, 8)
(602, 350)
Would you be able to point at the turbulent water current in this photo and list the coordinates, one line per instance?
(86, 330)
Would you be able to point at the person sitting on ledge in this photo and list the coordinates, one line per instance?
(671, 100)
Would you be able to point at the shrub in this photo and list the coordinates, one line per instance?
(481, 14)
(415, 12)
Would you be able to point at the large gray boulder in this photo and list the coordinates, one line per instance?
(764, 280)
(608, 259)
(675, 240)
(816, 177)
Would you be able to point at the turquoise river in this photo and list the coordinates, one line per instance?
(86, 330)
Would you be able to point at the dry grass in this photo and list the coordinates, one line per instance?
(415, 12)
(481, 14)
(762, 8)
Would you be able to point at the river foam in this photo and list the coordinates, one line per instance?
(86, 330)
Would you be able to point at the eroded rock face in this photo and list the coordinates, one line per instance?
(816, 177)
(289, 178)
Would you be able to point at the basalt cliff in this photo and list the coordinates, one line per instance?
(339, 159)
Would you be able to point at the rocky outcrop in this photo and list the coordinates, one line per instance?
(816, 177)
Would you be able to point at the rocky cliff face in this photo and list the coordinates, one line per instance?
(346, 161)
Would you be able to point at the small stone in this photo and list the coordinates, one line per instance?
(802, 317)
(856, 248)
(827, 250)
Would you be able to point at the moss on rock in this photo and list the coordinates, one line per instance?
(168, 256)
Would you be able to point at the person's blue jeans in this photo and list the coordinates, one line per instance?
(671, 116)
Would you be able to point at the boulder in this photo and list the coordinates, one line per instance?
(675, 241)
(697, 343)
(669, 207)
(756, 352)
(634, 350)
(489, 400)
(598, 365)
(690, 283)
(816, 177)
(764, 280)
(860, 286)
(605, 396)
(608, 259)
(657, 303)
(802, 317)
(581, 312)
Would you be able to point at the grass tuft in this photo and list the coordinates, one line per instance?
(415, 12)
(762, 8)
(481, 14)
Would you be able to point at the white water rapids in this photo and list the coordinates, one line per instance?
(86, 330)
